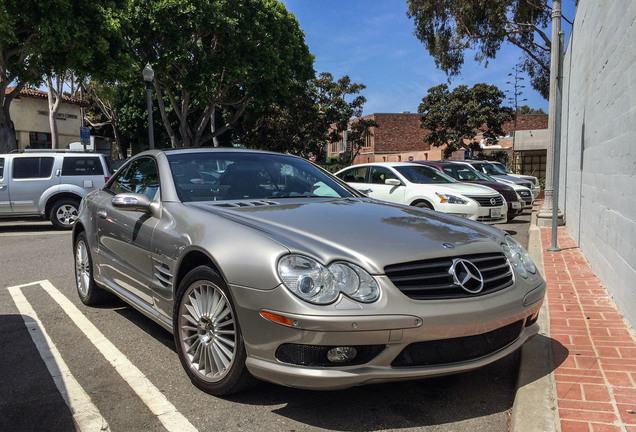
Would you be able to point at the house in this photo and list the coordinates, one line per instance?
(30, 115)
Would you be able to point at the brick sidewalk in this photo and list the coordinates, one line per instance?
(594, 348)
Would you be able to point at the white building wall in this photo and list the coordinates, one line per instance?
(30, 114)
(597, 190)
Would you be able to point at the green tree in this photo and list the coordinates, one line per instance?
(525, 110)
(105, 102)
(318, 113)
(449, 28)
(49, 37)
(208, 54)
(293, 127)
(450, 117)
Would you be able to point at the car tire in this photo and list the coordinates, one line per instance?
(208, 336)
(64, 213)
(89, 293)
(424, 204)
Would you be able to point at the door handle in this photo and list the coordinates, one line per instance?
(365, 191)
(102, 214)
(3, 187)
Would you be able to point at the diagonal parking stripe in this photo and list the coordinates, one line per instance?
(156, 401)
(84, 412)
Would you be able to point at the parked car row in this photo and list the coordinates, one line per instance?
(264, 266)
(454, 187)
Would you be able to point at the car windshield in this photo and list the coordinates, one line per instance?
(480, 175)
(503, 167)
(461, 173)
(423, 175)
(218, 176)
(491, 169)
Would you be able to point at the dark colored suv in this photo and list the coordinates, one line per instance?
(464, 173)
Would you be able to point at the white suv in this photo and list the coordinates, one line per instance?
(49, 184)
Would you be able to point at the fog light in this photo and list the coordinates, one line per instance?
(341, 354)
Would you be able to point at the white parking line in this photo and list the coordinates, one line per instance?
(156, 401)
(85, 413)
(34, 233)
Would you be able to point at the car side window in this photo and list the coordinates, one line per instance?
(141, 177)
(1, 168)
(32, 167)
(380, 174)
(82, 166)
(355, 175)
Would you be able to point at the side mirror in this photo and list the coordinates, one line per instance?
(393, 182)
(132, 202)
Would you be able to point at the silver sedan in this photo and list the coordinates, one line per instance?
(264, 266)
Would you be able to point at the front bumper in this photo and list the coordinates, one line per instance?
(476, 212)
(411, 323)
(377, 371)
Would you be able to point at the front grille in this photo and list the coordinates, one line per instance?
(509, 194)
(431, 280)
(446, 351)
(485, 201)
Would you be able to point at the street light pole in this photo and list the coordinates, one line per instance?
(544, 217)
(149, 75)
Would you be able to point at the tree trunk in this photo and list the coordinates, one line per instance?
(55, 98)
(7, 130)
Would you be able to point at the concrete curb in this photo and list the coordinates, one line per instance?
(535, 405)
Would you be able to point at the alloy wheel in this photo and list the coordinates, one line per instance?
(208, 331)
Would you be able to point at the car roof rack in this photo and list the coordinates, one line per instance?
(51, 151)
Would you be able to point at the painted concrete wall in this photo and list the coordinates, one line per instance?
(31, 114)
(597, 191)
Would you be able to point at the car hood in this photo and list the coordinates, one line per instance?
(371, 233)
(462, 188)
(516, 180)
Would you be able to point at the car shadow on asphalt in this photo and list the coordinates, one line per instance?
(154, 330)
(486, 392)
(452, 399)
(29, 398)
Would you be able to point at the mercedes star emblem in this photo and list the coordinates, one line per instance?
(466, 275)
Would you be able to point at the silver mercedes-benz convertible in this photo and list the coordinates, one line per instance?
(265, 266)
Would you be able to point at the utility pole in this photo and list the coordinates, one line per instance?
(544, 217)
(515, 100)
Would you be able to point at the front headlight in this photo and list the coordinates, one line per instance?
(315, 283)
(518, 257)
(450, 199)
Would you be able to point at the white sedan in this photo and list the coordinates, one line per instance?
(421, 186)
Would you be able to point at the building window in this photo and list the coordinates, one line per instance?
(39, 140)
(334, 147)
(367, 140)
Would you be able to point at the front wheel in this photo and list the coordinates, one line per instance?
(208, 335)
(64, 213)
(424, 204)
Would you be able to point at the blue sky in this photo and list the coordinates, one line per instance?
(372, 41)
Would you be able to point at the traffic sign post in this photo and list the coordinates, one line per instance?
(85, 136)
